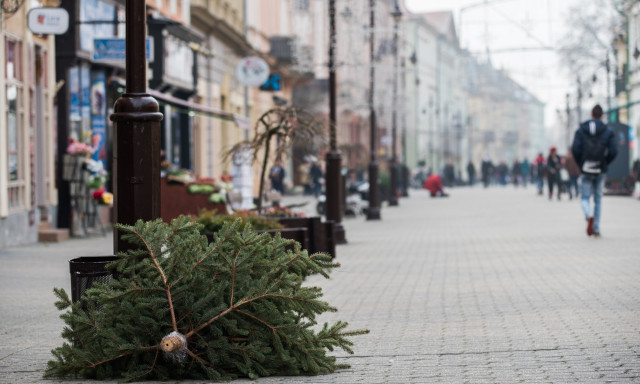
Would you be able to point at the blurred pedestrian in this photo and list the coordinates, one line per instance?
(434, 186)
(635, 172)
(305, 180)
(503, 170)
(487, 170)
(539, 173)
(594, 148)
(449, 174)
(516, 173)
(574, 172)
(526, 171)
(276, 176)
(471, 171)
(563, 177)
(553, 171)
(315, 172)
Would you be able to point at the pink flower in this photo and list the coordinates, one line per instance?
(78, 148)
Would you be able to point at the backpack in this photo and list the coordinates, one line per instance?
(594, 152)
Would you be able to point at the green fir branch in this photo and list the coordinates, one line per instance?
(239, 302)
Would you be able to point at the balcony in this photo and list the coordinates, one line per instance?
(284, 49)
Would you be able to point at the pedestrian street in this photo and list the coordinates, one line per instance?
(494, 285)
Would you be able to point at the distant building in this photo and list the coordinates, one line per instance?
(437, 124)
(506, 121)
(627, 83)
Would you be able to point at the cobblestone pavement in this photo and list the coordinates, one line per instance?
(487, 286)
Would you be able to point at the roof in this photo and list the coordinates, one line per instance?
(440, 20)
(443, 23)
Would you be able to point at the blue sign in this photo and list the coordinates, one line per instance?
(115, 49)
(85, 85)
(74, 94)
(273, 83)
(98, 115)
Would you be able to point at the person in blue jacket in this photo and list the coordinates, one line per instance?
(594, 148)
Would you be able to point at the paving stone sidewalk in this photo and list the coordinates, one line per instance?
(491, 285)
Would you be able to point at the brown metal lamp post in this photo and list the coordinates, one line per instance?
(136, 138)
(393, 166)
(373, 212)
(333, 158)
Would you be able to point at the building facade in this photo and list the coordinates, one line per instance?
(435, 72)
(90, 62)
(627, 83)
(507, 121)
(27, 128)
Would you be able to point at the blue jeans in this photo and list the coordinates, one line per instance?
(592, 185)
(540, 183)
(573, 186)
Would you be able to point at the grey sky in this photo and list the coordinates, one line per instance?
(521, 36)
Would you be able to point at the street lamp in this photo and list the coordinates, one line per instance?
(373, 212)
(137, 134)
(333, 158)
(393, 195)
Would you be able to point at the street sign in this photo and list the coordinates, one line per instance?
(48, 21)
(273, 83)
(114, 49)
(252, 71)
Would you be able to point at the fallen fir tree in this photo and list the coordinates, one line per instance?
(185, 309)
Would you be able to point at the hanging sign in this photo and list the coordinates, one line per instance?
(114, 49)
(48, 21)
(252, 71)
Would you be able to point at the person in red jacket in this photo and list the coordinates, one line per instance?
(434, 186)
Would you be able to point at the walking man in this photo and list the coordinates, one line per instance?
(471, 170)
(594, 148)
(276, 175)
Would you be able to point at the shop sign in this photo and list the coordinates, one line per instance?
(178, 61)
(74, 94)
(48, 21)
(114, 49)
(94, 11)
(98, 115)
(252, 71)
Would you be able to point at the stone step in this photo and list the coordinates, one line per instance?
(52, 235)
(44, 225)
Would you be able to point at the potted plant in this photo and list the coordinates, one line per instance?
(212, 222)
(279, 128)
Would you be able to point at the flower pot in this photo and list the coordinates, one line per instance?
(321, 235)
(298, 234)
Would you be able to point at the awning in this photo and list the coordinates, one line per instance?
(241, 121)
(200, 108)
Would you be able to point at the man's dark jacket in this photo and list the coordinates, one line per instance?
(595, 127)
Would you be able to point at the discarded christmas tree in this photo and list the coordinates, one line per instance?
(183, 308)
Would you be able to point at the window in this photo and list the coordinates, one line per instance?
(14, 115)
(301, 5)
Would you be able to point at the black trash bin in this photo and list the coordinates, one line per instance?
(87, 270)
